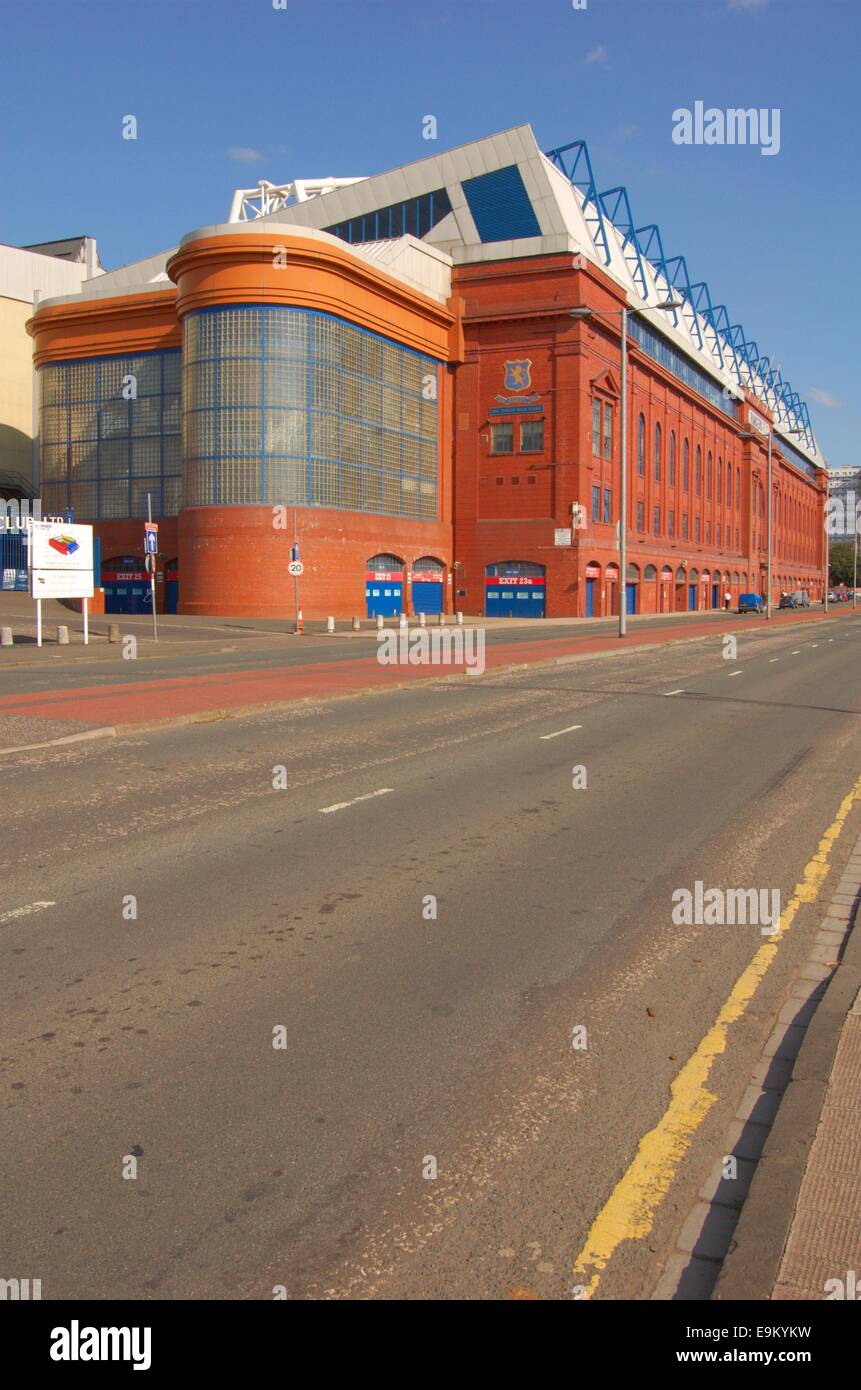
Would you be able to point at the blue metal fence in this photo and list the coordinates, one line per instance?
(13, 560)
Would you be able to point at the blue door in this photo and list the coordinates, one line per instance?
(171, 588)
(715, 595)
(590, 598)
(692, 598)
(515, 589)
(384, 596)
(514, 600)
(384, 586)
(427, 596)
(126, 586)
(630, 598)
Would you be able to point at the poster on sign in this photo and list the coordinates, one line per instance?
(61, 560)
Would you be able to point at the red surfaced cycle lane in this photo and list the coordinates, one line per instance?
(174, 697)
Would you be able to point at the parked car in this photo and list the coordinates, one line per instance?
(787, 601)
(801, 597)
(751, 603)
(833, 596)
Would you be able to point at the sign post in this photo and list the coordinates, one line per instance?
(295, 568)
(151, 546)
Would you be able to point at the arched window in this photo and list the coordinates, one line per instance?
(738, 487)
(720, 479)
(709, 475)
(672, 478)
(641, 446)
(686, 459)
(650, 572)
(699, 470)
(680, 575)
(657, 453)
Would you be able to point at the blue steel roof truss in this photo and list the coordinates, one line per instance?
(641, 244)
(619, 213)
(574, 173)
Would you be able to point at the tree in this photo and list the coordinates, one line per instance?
(842, 563)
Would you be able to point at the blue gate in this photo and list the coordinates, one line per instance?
(515, 589)
(630, 598)
(692, 598)
(13, 560)
(590, 598)
(384, 586)
(715, 595)
(428, 575)
(126, 585)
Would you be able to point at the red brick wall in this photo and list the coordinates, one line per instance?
(233, 561)
(518, 310)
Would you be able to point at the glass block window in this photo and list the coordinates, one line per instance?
(285, 405)
(110, 434)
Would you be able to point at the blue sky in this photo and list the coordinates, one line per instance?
(226, 92)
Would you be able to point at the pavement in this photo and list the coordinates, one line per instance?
(799, 1233)
(384, 997)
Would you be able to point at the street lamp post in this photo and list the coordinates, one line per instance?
(586, 313)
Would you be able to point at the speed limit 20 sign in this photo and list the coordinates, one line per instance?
(296, 567)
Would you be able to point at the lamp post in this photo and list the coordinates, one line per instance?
(585, 313)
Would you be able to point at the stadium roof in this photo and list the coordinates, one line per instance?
(502, 196)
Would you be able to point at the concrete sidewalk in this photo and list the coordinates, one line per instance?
(799, 1233)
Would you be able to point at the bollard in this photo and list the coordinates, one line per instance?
(357, 626)
(113, 632)
(459, 616)
(63, 636)
(330, 624)
(442, 619)
(379, 620)
(6, 638)
(422, 620)
(402, 622)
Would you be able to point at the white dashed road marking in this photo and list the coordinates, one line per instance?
(674, 692)
(735, 673)
(23, 912)
(569, 730)
(342, 805)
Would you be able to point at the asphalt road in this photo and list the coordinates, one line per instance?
(406, 1038)
(242, 647)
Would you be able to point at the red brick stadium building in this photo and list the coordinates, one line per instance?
(387, 373)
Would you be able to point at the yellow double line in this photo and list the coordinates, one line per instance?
(629, 1212)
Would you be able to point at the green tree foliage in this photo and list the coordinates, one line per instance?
(841, 567)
